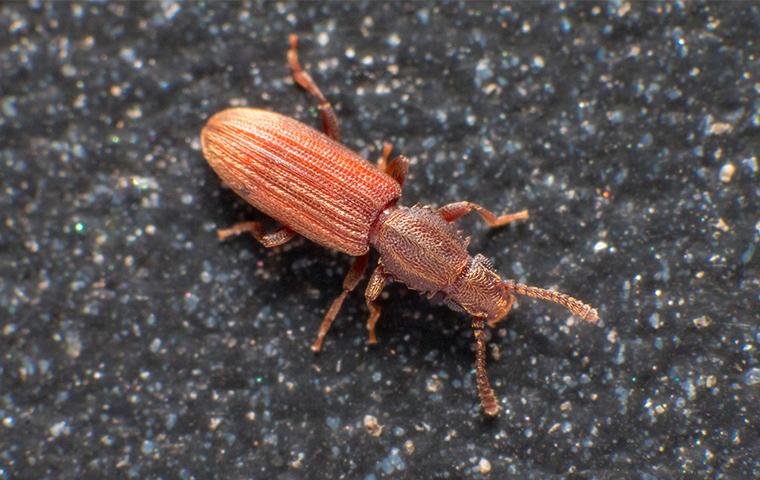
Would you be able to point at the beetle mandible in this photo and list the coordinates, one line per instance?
(316, 187)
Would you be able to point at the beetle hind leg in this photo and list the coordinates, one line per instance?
(455, 210)
(352, 279)
(374, 289)
(272, 239)
(488, 400)
(326, 111)
(397, 169)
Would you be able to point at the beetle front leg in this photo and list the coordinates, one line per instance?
(352, 279)
(374, 289)
(273, 239)
(397, 169)
(326, 111)
(488, 400)
(455, 210)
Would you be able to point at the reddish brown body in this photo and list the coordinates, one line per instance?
(316, 187)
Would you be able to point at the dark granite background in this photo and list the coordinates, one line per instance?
(134, 344)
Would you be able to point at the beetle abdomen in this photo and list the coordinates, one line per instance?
(298, 176)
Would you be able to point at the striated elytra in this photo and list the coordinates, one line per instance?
(312, 184)
(316, 187)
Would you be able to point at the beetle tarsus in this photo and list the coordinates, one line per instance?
(324, 327)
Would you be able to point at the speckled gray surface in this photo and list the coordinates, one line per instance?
(134, 344)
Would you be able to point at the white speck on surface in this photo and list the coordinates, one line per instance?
(433, 384)
(752, 377)
(17, 25)
(214, 423)
(727, 172)
(710, 127)
(297, 463)
(483, 71)
(57, 429)
(190, 301)
(702, 322)
(73, 344)
(484, 466)
(134, 112)
(720, 128)
(722, 225)
(382, 89)
(409, 447)
(372, 426)
(9, 106)
(170, 9)
(147, 447)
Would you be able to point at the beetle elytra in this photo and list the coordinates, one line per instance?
(316, 187)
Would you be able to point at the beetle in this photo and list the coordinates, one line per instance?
(316, 187)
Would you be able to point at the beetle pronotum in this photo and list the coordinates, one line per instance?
(316, 187)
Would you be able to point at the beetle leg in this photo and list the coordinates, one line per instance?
(273, 239)
(374, 289)
(382, 162)
(397, 169)
(353, 276)
(453, 211)
(326, 111)
(488, 400)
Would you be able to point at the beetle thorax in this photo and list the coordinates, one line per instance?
(425, 252)
(419, 248)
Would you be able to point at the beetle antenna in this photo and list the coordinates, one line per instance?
(578, 308)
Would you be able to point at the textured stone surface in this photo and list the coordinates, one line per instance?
(133, 343)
